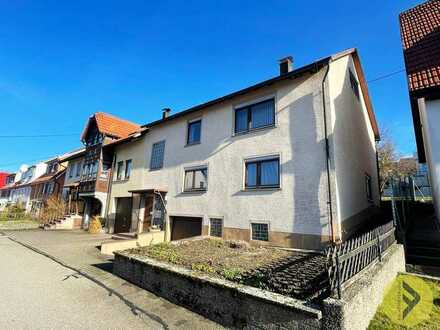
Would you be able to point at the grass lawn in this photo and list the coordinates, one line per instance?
(431, 321)
(217, 257)
(18, 222)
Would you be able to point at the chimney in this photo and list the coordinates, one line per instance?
(165, 112)
(286, 65)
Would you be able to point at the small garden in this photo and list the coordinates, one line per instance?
(299, 275)
(14, 217)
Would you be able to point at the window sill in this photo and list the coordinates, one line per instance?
(261, 189)
(121, 180)
(254, 130)
(194, 192)
(259, 240)
(192, 144)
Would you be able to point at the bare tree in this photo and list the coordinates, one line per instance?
(407, 166)
(388, 157)
(391, 164)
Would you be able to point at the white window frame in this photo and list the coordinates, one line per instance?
(194, 168)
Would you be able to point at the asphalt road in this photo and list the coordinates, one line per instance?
(38, 293)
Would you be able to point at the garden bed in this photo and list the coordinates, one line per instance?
(298, 275)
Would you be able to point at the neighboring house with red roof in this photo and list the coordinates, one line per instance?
(100, 129)
(420, 32)
(5, 191)
(3, 176)
(290, 161)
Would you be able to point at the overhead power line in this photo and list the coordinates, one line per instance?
(386, 76)
(37, 136)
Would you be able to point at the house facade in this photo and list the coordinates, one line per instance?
(3, 177)
(20, 193)
(420, 32)
(72, 178)
(289, 162)
(100, 129)
(5, 191)
(47, 186)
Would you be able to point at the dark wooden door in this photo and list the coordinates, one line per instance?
(123, 214)
(147, 215)
(185, 227)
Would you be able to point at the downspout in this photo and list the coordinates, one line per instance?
(109, 190)
(327, 154)
(379, 181)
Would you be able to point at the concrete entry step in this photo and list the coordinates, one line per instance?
(124, 236)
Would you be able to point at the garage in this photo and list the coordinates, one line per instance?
(185, 227)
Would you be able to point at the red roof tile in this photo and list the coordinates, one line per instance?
(111, 125)
(114, 126)
(420, 32)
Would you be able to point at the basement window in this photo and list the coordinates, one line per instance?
(260, 231)
(216, 227)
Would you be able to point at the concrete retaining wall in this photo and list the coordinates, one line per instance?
(363, 296)
(239, 306)
(144, 239)
(227, 303)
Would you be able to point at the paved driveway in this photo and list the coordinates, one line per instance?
(37, 293)
(77, 300)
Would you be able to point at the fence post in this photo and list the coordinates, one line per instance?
(379, 250)
(338, 274)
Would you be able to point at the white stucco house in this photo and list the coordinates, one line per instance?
(20, 193)
(420, 30)
(290, 161)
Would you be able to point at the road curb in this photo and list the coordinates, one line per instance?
(133, 307)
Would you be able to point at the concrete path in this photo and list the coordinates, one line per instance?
(97, 297)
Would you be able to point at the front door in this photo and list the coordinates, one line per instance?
(123, 215)
(147, 216)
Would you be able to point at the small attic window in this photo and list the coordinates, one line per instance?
(354, 84)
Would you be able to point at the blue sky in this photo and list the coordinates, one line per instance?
(60, 61)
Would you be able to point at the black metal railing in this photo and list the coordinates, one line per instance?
(346, 260)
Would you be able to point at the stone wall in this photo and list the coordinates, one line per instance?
(230, 304)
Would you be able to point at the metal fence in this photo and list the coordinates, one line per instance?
(415, 187)
(346, 260)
